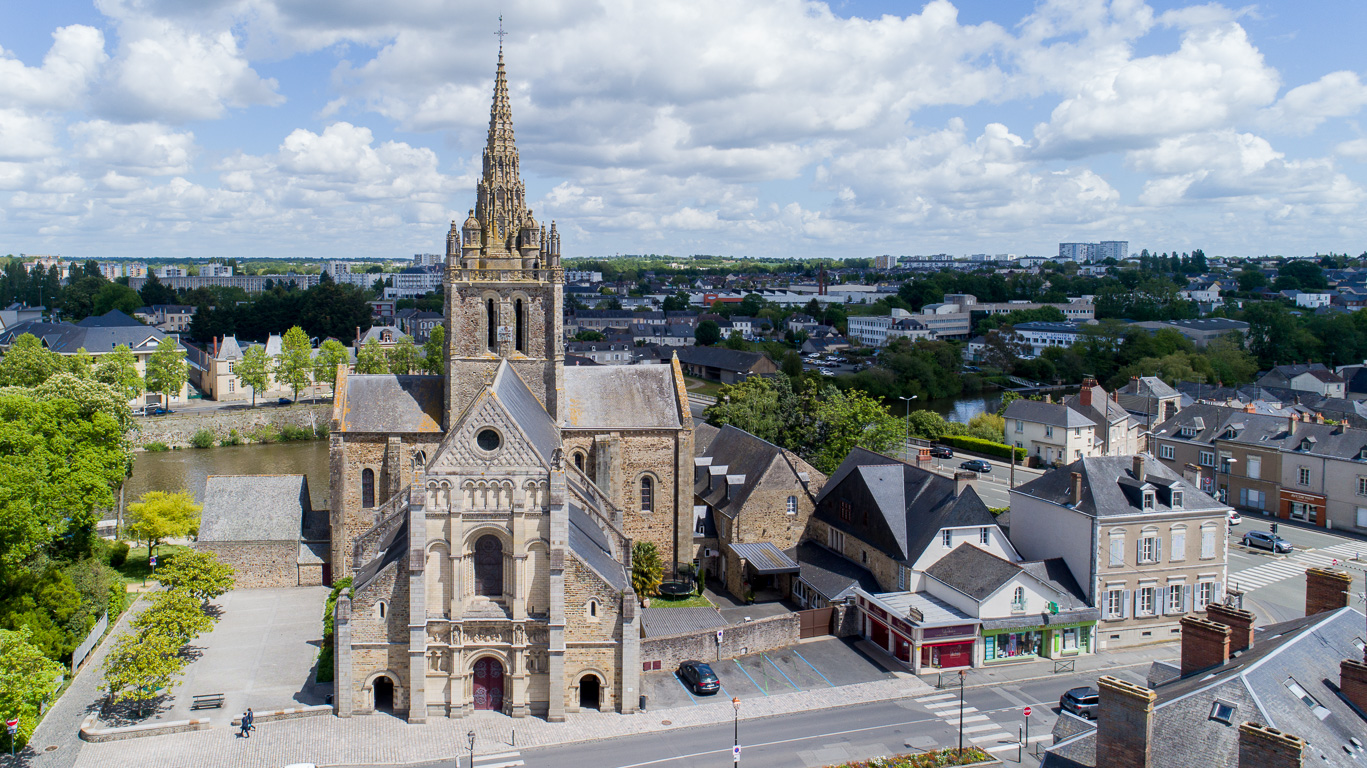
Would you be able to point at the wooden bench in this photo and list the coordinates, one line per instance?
(207, 701)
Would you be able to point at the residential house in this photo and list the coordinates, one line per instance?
(1305, 377)
(1282, 696)
(1116, 432)
(419, 325)
(799, 322)
(1187, 440)
(18, 313)
(1051, 432)
(665, 334)
(757, 498)
(1248, 460)
(1202, 292)
(727, 366)
(603, 352)
(1145, 545)
(218, 376)
(1307, 299)
(1149, 399)
(952, 590)
(386, 336)
(1324, 476)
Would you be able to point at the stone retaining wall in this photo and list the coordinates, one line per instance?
(90, 733)
(293, 713)
(766, 634)
(177, 429)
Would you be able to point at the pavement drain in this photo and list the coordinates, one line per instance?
(666, 722)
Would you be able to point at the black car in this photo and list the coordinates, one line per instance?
(284, 401)
(1080, 701)
(941, 452)
(698, 677)
(976, 465)
(1268, 541)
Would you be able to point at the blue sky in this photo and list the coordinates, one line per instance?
(292, 128)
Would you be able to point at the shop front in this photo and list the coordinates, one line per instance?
(1007, 644)
(918, 629)
(1306, 507)
(947, 647)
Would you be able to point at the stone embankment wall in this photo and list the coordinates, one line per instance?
(766, 634)
(177, 429)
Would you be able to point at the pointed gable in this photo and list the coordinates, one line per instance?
(528, 436)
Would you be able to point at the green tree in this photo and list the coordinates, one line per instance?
(28, 363)
(140, 666)
(792, 364)
(766, 408)
(434, 351)
(676, 302)
(588, 335)
(176, 614)
(647, 570)
(27, 678)
(119, 369)
(154, 291)
(254, 369)
(371, 358)
(987, 426)
(1230, 364)
(331, 353)
(927, 425)
(708, 333)
(295, 363)
(166, 369)
(161, 515)
(112, 296)
(842, 420)
(403, 356)
(198, 574)
(735, 341)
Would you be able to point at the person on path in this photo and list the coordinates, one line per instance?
(247, 718)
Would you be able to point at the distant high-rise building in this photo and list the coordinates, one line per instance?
(1079, 252)
(1113, 249)
(884, 262)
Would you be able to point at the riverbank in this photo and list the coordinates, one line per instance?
(178, 430)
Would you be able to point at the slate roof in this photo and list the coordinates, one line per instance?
(66, 338)
(659, 622)
(1307, 650)
(590, 545)
(111, 319)
(742, 454)
(388, 402)
(621, 397)
(256, 508)
(1206, 420)
(833, 576)
(375, 331)
(512, 393)
(1106, 481)
(973, 571)
(1053, 414)
(394, 546)
(723, 358)
(909, 504)
(703, 434)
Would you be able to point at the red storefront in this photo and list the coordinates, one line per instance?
(939, 647)
(1296, 505)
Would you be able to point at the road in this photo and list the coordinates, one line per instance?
(992, 720)
(1275, 585)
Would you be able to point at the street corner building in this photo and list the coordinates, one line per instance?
(487, 516)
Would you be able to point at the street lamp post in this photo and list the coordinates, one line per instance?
(961, 713)
(735, 746)
(471, 737)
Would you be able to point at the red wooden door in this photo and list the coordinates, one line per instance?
(879, 635)
(488, 684)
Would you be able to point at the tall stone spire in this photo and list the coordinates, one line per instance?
(500, 207)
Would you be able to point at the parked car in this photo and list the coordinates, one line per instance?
(1080, 701)
(1269, 541)
(827, 372)
(698, 677)
(941, 452)
(976, 465)
(1234, 518)
(284, 401)
(158, 410)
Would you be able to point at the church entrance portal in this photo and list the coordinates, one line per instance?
(589, 689)
(489, 566)
(384, 694)
(489, 684)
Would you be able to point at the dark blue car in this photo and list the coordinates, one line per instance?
(698, 677)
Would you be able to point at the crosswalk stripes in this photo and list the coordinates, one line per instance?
(979, 729)
(1260, 576)
(500, 760)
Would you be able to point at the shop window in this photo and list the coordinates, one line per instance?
(1011, 645)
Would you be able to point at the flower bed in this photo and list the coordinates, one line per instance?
(944, 757)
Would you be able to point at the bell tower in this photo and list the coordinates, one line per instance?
(504, 283)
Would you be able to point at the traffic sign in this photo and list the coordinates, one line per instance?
(735, 754)
(719, 637)
(1027, 711)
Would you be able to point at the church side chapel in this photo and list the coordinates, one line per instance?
(486, 516)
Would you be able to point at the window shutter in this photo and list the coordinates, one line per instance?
(1243, 496)
(1139, 550)
(1158, 549)
(1179, 546)
(1160, 603)
(1186, 599)
(1218, 593)
(1125, 604)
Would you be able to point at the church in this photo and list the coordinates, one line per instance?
(486, 516)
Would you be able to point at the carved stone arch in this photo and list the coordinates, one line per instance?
(439, 578)
(581, 683)
(536, 591)
(645, 492)
(488, 670)
(400, 703)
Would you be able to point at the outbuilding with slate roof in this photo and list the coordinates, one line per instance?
(265, 527)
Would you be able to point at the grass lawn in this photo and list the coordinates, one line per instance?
(692, 601)
(702, 386)
(135, 568)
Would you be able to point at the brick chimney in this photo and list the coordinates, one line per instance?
(1124, 723)
(1326, 590)
(1075, 489)
(1205, 644)
(1261, 746)
(962, 481)
(1138, 466)
(1239, 621)
(1085, 395)
(1250, 409)
(1353, 682)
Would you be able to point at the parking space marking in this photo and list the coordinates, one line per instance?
(775, 666)
(814, 669)
(747, 674)
(685, 687)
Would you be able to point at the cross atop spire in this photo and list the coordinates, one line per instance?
(500, 34)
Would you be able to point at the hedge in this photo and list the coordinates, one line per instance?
(978, 445)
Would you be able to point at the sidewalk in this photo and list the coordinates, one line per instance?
(1044, 668)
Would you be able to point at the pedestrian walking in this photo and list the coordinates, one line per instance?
(251, 722)
(247, 718)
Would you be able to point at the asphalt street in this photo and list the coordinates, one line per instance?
(993, 720)
(1275, 584)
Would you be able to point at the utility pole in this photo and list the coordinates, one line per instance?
(961, 713)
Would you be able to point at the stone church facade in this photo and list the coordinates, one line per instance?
(486, 516)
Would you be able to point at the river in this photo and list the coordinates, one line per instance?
(959, 409)
(188, 468)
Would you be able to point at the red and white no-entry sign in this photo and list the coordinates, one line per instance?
(1027, 711)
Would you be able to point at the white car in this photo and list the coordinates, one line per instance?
(827, 372)
(1234, 518)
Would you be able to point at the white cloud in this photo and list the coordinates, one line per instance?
(167, 74)
(1355, 149)
(1304, 108)
(24, 136)
(143, 149)
(76, 56)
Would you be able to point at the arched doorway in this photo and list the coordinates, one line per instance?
(489, 684)
(489, 566)
(590, 688)
(384, 694)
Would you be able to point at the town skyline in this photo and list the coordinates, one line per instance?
(803, 130)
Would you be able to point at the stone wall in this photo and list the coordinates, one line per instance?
(177, 428)
(766, 634)
(593, 638)
(371, 652)
(259, 564)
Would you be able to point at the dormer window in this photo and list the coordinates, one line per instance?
(1188, 431)
(1148, 499)
(1176, 500)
